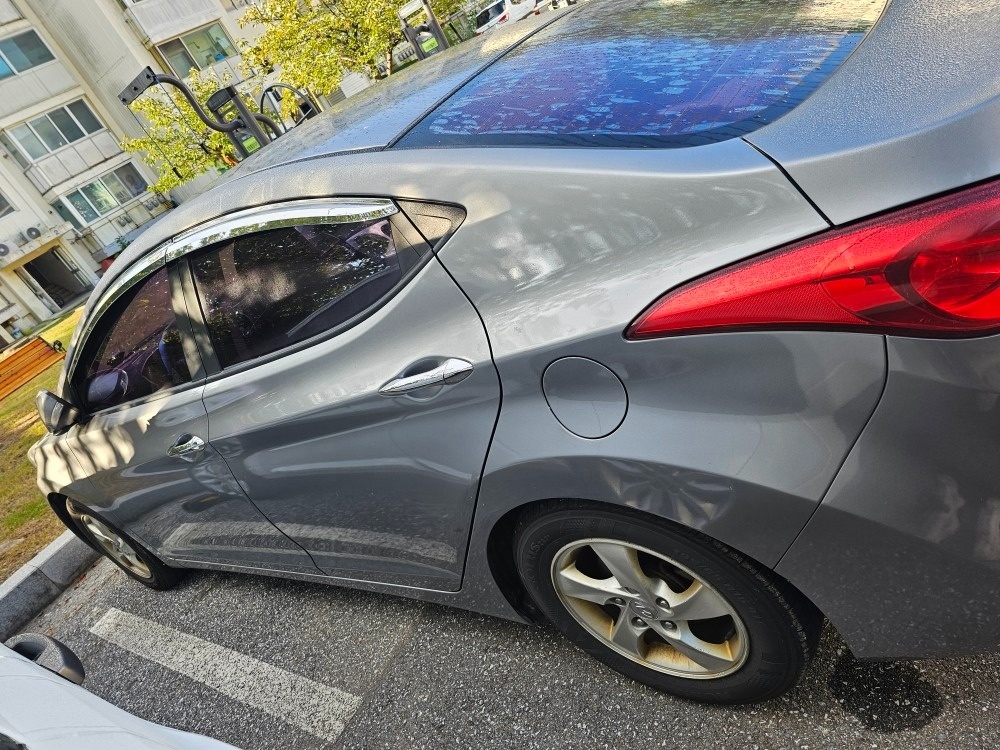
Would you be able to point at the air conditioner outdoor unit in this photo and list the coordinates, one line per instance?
(29, 235)
(5, 250)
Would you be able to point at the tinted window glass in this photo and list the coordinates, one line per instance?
(80, 204)
(209, 45)
(178, 57)
(66, 215)
(86, 118)
(66, 124)
(266, 291)
(14, 151)
(140, 349)
(131, 178)
(116, 187)
(99, 197)
(649, 73)
(25, 51)
(29, 141)
(48, 133)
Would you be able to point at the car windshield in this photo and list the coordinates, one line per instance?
(488, 14)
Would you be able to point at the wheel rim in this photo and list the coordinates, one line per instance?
(113, 545)
(650, 608)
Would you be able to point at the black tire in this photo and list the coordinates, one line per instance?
(781, 627)
(160, 576)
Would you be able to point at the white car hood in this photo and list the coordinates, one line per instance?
(42, 711)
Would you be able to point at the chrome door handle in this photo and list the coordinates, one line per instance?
(448, 372)
(185, 445)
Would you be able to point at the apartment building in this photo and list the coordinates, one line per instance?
(69, 196)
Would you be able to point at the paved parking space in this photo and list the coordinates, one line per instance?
(267, 663)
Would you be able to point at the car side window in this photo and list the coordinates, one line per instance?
(140, 350)
(265, 291)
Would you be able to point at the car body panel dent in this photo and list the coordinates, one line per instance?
(736, 435)
(913, 510)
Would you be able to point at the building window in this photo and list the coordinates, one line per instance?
(5, 207)
(101, 197)
(14, 151)
(199, 50)
(40, 137)
(22, 52)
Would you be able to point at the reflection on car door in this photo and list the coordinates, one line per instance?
(145, 447)
(308, 324)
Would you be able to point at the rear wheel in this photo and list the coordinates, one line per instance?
(664, 605)
(118, 547)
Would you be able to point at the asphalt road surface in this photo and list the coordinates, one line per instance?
(271, 664)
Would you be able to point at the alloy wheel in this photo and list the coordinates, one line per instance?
(649, 608)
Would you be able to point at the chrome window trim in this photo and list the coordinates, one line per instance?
(230, 226)
(279, 216)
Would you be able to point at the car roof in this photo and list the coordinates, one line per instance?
(466, 84)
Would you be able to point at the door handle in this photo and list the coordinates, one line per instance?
(450, 371)
(185, 445)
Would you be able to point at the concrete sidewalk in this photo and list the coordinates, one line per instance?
(39, 581)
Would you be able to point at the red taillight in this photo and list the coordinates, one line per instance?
(928, 270)
(504, 17)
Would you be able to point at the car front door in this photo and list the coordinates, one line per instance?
(354, 395)
(143, 443)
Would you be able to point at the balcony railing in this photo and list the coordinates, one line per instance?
(25, 90)
(72, 160)
(160, 20)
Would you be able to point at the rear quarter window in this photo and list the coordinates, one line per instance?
(266, 291)
(654, 73)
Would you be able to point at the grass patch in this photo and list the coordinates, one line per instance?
(26, 512)
(26, 523)
(61, 328)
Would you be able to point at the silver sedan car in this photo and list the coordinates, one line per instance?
(679, 332)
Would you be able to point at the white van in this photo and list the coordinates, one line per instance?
(501, 11)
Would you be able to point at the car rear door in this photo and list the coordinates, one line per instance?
(143, 444)
(351, 387)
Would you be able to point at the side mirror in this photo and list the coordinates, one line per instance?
(49, 653)
(107, 388)
(57, 415)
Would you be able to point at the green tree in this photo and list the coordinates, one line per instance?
(316, 42)
(177, 143)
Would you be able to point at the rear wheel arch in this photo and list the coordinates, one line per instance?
(503, 565)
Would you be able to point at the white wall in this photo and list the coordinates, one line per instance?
(26, 93)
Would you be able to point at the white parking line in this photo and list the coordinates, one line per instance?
(319, 709)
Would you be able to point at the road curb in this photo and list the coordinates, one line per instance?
(40, 580)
